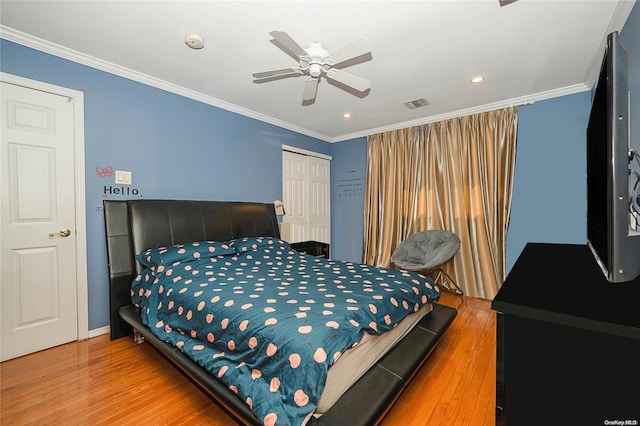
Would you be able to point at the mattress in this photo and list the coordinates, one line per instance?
(133, 226)
(356, 361)
(269, 321)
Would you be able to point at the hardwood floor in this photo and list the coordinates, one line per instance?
(99, 381)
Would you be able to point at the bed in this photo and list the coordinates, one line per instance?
(179, 267)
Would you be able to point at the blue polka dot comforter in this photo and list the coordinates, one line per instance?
(269, 321)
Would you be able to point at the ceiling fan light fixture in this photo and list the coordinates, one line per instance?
(315, 70)
(477, 80)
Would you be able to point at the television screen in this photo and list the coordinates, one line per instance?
(611, 235)
(597, 170)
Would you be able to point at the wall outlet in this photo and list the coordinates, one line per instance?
(123, 177)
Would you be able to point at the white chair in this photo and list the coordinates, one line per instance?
(427, 252)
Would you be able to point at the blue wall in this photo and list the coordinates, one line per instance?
(549, 188)
(158, 135)
(176, 148)
(549, 199)
(348, 171)
(549, 194)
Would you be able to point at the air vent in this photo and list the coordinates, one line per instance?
(418, 103)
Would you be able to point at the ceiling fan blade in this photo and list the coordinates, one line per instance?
(310, 89)
(285, 41)
(274, 73)
(276, 77)
(358, 47)
(358, 83)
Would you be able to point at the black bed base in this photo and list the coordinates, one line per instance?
(136, 225)
(364, 404)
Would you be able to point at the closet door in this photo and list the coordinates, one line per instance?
(318, 190)
(306, 197)
(294, 193)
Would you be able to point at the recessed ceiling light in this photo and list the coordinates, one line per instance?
(477, 80)
(346, 115)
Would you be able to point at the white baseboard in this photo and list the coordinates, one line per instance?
(99, 331)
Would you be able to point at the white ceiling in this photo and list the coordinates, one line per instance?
(529, 50)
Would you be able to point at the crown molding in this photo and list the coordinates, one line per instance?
(45, 46)
(618, 19)
(522, 100)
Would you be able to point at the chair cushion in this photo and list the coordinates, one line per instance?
(425, 250)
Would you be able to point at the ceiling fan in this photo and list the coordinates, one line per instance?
(315, 62)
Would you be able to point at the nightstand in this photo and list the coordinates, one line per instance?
(314, 248)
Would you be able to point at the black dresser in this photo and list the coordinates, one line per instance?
(568, 342)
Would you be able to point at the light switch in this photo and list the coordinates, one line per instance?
(123, 177)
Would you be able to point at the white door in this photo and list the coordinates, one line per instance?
(294, 193)
(38, 258)
(306, 197)
(319, 184)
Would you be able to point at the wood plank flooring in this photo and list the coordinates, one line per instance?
(101, 382)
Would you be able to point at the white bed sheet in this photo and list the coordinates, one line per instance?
(357, 361)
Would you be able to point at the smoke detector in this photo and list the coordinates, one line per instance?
(194, 41)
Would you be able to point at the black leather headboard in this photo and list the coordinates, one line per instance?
(135, 225)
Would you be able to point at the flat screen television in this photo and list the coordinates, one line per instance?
(612, 233)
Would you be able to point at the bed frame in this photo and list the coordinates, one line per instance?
(136, 225)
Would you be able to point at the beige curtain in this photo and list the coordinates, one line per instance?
(454, 175)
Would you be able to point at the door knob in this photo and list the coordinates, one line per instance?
(63, 233)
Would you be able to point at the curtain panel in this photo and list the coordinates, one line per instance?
(454, 175)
